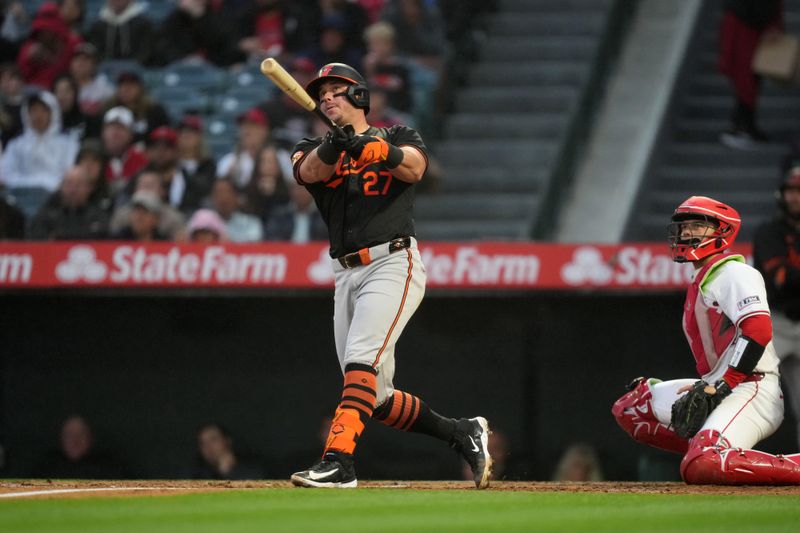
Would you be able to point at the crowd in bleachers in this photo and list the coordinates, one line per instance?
(142, 120)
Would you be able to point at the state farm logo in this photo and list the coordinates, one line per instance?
(587, 266)
(137, 265)
(629, 266)
(81, 265)
(321, 270)
(471, 267)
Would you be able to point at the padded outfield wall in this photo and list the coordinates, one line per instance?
(148, 366)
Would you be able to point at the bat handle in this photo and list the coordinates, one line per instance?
(324, 118)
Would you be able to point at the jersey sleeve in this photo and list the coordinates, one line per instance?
(299, 153)
(739, 292)
(405, 136)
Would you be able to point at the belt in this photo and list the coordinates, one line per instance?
(755, 376)
(366, 256)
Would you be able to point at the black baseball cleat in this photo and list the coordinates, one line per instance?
(471, 440)
(334, 470)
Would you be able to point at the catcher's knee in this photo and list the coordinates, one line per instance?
(702, 464)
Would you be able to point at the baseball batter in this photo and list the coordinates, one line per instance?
(716, 421)
(362, 179)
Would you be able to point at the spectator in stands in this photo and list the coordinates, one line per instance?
(182, 192)
(77, 456)
(47, 52)
(422, 29)
(268, 187)
(579, 463)
(171, 222)
(72, 12)
(73, 122)
(240, 226)
(272, 28)
(381, 115)
(744, 24)
(373, 9)
(148, 113)
(93, 160)
(206, 227)
(332, 45)
(289, 121)
(94, 89)
(69, 214)
(12, 220)
(353, 13)
(124, 159)
(217, 458)
(123, 31)
(12, 96)
(194, 32)
(196, 163)
(14, 27)
(42, 154)
(253, 133)
(385, 68)
(143, 220)
(776, 251)
(298, 222)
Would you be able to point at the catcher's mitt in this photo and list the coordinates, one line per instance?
(691, 410)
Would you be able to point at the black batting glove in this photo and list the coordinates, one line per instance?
(336, 141)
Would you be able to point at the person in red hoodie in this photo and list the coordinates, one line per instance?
(46, 54)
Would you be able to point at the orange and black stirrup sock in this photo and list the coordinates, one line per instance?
(407, 412)
(355, 408)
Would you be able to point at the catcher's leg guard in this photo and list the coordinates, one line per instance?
(711, 461)
(634, 414)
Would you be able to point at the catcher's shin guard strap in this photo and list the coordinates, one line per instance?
(346, 428)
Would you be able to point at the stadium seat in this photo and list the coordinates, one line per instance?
(179, 100)
(238, 100)
(220, 135)
(197, 76)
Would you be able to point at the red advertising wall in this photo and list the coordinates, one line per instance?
(452, 265)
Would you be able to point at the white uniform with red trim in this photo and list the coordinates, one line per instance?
(723, 294)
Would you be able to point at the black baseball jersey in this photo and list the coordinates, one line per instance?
(363, 206)
(776, 254)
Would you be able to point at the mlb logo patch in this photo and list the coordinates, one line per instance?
(750, 300)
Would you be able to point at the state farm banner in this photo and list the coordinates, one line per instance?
(479, 265)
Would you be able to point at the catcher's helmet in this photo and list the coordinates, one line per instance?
(723, 219)
(357, 92)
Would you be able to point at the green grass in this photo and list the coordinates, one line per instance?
(408, 511)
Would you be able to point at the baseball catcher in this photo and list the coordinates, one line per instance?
(714, 422)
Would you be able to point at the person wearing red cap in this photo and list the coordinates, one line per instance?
(253, 134)
(776, 254)
(162, 154)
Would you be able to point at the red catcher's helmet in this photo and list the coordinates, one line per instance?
(357, 92)
(724, 219)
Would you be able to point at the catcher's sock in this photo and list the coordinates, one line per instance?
(355, 407)
(407, 412)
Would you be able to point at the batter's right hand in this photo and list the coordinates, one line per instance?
(336, 141)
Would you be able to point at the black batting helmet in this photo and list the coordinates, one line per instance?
(357, 92)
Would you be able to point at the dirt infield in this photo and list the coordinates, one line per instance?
(43, 488)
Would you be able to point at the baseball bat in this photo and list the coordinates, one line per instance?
(286, 83)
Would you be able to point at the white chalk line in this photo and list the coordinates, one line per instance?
(100, 489)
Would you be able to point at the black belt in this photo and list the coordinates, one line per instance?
(363, 256)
